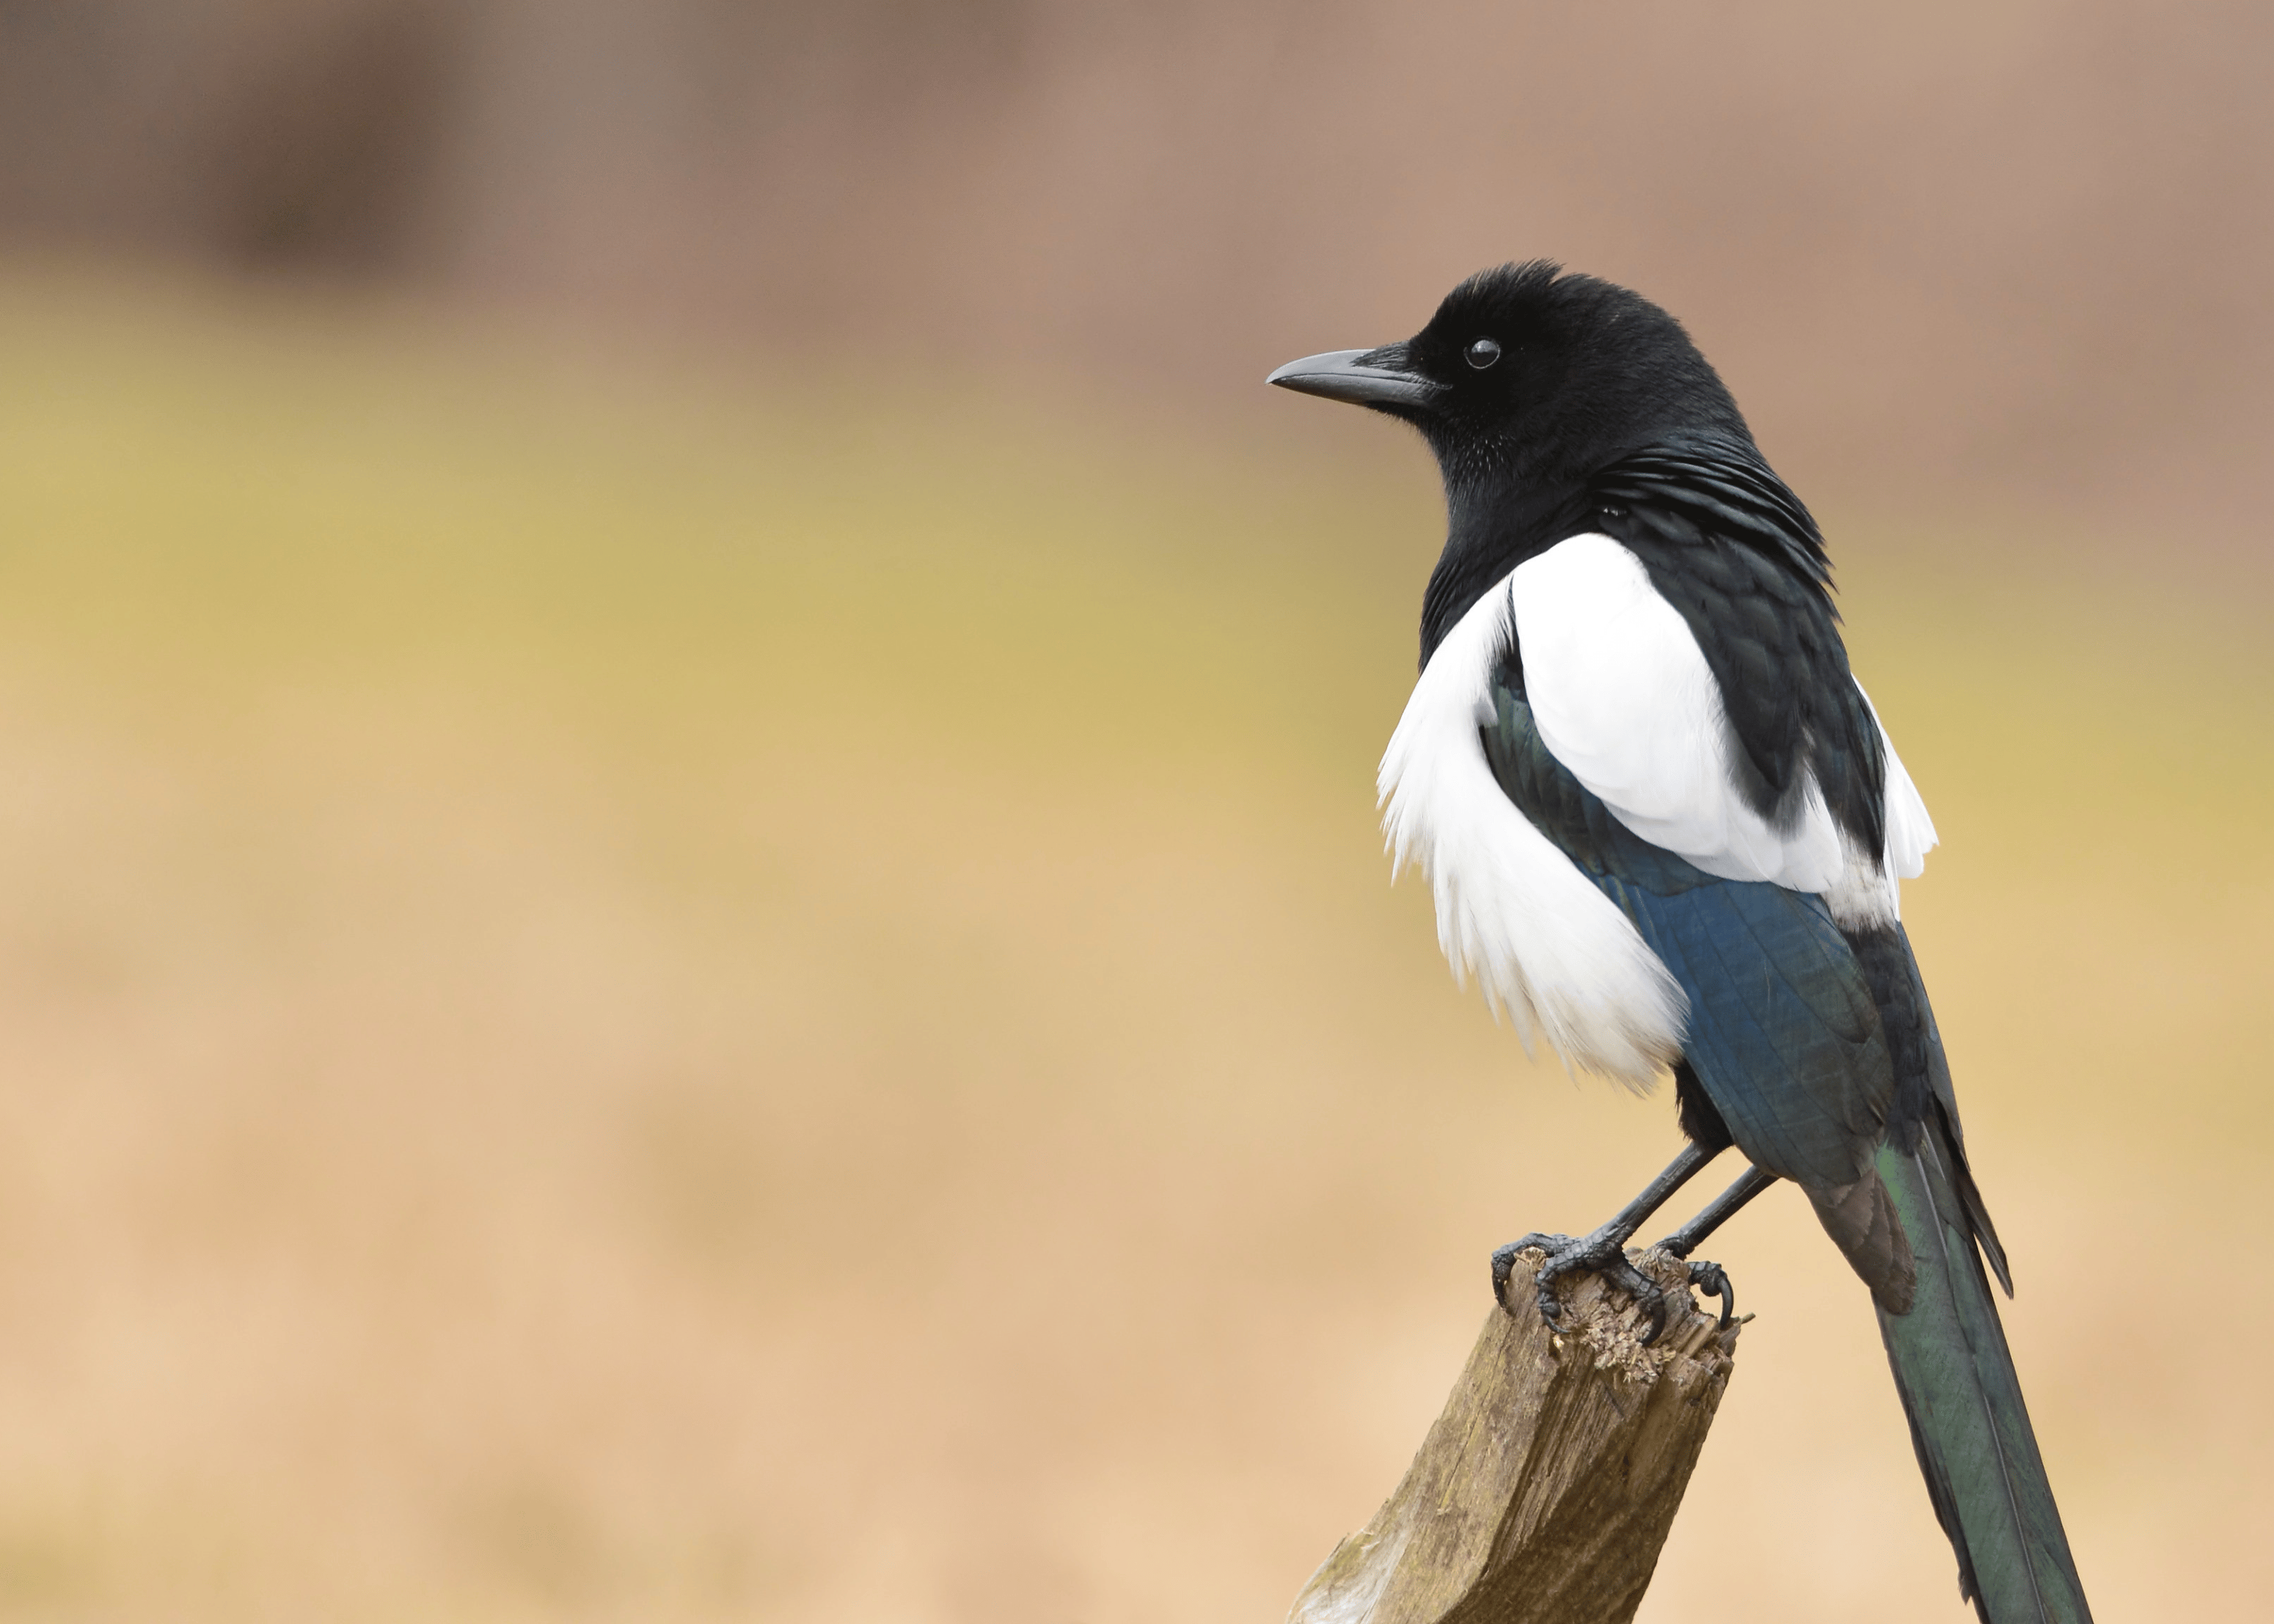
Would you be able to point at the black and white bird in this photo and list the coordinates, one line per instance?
(1665, 832)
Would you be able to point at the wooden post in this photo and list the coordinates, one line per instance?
(1545, 1491)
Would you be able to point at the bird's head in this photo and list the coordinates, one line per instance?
(1527, 376)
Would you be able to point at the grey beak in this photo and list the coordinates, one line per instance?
(1355, 375)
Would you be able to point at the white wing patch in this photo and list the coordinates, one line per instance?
(1623, 696)
(1512, 910)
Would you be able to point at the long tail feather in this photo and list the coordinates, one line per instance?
(1967, 1421)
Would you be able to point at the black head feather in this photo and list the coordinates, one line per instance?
(1585, 371)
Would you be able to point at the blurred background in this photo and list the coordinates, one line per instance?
(690, 923)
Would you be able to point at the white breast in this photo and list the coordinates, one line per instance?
(1546, 945)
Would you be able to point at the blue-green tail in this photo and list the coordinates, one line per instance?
(1964, 1401)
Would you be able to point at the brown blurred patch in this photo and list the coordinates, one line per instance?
(1949, 256)
(327, 156)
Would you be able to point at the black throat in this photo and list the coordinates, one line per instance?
(1492, 524)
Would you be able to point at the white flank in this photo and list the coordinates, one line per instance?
(1512, 911)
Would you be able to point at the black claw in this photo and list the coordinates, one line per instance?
(1709, 1279)
(1504, 1265)
(1551, 1306)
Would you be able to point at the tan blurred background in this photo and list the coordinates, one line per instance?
(690, 919)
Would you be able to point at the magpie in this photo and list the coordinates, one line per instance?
(1665, 830)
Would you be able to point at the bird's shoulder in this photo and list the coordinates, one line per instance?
(1737, 555)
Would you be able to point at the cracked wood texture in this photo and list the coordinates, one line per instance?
(1545, 1489)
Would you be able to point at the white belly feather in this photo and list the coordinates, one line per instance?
(1513, 911)
(1624, 698)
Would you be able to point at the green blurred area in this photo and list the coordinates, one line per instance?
(630, 993)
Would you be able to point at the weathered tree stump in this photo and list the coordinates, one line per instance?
(1545, 1491)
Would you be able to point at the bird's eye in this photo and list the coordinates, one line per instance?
(1483, 353)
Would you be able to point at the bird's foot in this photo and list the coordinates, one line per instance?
(1603, 1253)
(1709, 1279)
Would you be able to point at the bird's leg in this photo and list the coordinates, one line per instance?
(1716, 1212)
(1708, 1277)
(1604, 1251)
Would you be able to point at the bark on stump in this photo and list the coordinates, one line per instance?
(1545, 1491)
